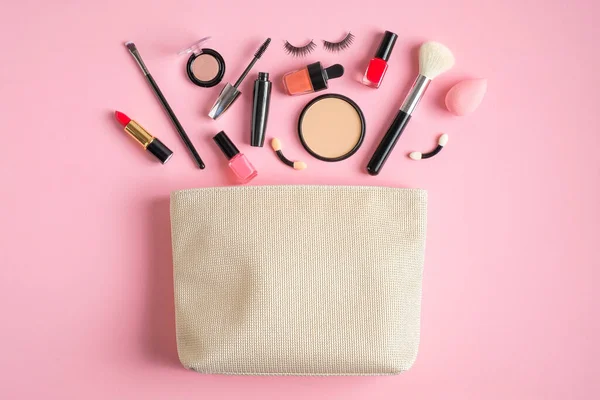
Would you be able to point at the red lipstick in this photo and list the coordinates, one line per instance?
(143, 137)
(122, 118)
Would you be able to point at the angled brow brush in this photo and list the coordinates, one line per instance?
(186, 140)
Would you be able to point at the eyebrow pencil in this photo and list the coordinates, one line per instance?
(186, 140)
(434, 59)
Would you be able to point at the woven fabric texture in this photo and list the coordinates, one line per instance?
(298, 280)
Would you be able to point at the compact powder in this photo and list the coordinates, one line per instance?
(205, 67)
(331, 127)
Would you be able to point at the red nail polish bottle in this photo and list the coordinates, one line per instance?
(378, 65)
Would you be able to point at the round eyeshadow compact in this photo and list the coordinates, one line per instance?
(205, 67)
(331, 127)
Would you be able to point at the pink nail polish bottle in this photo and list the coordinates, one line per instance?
(239, 164)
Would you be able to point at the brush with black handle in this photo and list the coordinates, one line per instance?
(163, 101)
(434, 59)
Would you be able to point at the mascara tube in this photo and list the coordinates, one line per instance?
(260, 109)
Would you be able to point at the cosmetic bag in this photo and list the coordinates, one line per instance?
(298, 280)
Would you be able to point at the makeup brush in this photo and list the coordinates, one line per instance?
(230, 93)
(434, 60)
(184, 137)
(416, 155)
(276, 145)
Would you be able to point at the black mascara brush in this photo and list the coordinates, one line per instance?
(230, 93)
(186, 140)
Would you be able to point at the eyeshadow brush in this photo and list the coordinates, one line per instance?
(230, 93)
(184, 137)
(442, 141)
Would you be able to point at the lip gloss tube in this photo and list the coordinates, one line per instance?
(143, 137)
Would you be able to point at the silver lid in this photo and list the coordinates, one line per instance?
(226, 98)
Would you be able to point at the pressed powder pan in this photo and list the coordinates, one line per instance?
(331, 127)
(205, 67)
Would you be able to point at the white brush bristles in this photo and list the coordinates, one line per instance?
(415, 155)
(434, 59)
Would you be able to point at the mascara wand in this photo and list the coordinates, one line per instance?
(257, 56)
(230, 92)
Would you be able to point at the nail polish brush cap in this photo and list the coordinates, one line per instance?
(319, 76)
(387, 45)
(226, 145)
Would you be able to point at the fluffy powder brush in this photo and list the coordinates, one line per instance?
(434, 60)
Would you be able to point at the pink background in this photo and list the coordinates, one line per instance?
(510, 300)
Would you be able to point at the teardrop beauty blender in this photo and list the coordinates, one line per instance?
(464, 97)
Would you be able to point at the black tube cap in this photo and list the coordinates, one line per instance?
(159, 150)
(387, 45)
(226, 145)
(319, 76)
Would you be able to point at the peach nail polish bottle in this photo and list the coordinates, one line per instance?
(311, 78)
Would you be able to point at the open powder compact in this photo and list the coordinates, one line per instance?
(331, 127)
(205, 67)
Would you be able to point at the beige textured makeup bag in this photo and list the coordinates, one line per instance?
(298, 280)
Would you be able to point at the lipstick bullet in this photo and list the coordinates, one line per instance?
(143, 137)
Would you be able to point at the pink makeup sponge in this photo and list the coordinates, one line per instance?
(464, 97)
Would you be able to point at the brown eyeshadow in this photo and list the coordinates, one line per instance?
(205, 67)
(331, 127)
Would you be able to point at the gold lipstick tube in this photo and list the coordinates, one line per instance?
(148, 142)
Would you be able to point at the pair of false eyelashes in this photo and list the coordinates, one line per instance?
(333, 47)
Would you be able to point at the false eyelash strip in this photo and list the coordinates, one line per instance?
(299, 51)
(343, 44)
